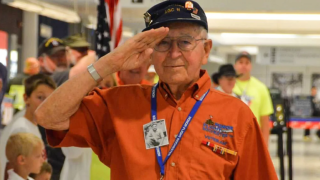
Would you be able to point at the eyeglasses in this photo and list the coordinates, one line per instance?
(185, 43)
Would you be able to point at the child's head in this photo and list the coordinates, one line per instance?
(45, 173)
(25, 151)
(37, 88)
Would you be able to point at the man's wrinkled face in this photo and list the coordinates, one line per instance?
(178, 65)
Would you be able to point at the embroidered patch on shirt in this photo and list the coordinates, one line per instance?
(218, 129)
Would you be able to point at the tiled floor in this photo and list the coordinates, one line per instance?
(306, 156)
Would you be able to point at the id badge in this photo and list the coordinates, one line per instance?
(155, 134)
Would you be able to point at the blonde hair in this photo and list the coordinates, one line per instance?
(45, 168)
(21, 144)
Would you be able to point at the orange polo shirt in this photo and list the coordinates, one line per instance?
(120, 82)
(111, 122)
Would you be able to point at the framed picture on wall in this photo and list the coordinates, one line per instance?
(290, 84)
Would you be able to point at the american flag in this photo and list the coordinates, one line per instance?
(109, 27)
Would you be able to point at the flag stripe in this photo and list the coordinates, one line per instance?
(109, 27)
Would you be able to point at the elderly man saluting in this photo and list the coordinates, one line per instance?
(211, 135)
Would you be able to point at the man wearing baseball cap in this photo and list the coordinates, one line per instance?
(253, 93)
(78, 47)
(52, 56)
(210, 135)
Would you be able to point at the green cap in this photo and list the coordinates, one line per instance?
(76, 41)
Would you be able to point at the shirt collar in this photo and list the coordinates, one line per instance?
(198, 88)
(15, 176)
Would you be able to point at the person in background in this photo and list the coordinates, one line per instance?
(134, 76)
(62, 76)
(45, 172)
(225, 78)
(52, 56)
(64, 54)
(3, 86)
(78, 47)
(315, 112)
(37, 88)
(16, 87)
(253, 93)
(25, 154)
(79, 55)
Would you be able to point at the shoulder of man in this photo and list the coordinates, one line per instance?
(122, 91)
(60, 77)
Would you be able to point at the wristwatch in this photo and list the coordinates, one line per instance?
(94, 73)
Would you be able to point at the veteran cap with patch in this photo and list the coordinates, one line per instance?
(76, 41)
(174, 11)
(51, 46)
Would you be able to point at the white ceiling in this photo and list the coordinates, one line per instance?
(133, 19)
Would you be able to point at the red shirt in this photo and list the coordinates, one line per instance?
(111, 123)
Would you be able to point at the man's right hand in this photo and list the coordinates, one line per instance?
(56, 110)
(135, 51)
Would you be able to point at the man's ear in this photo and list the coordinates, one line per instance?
(25, 98)
(207, 49)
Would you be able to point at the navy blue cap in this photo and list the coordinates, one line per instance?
(175, 11)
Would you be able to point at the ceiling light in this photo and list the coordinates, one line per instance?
(45, 9)
(261, 16)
